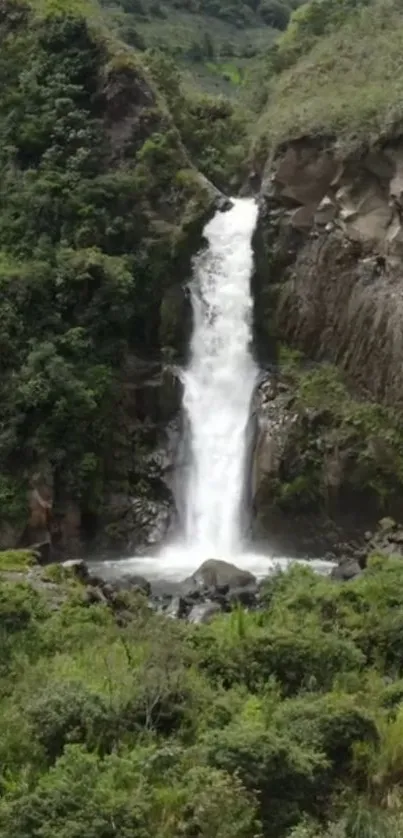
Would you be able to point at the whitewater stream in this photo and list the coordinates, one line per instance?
(218, 385)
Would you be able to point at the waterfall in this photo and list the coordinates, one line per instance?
(219, 382)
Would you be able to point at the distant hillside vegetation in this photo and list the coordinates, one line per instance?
(215, 41)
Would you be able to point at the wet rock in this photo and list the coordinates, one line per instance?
(215, 573)
(191, 589)
(135, 523)
(224, 204)
(10, 535)
(348, 568)
(204, 612)
(40, 504)
(222, 590)
(387, 525)
(68, 530)
(386, 541)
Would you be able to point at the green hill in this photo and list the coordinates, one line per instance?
(214, 41)
(336, 71)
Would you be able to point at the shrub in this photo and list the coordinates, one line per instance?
(68, 712)
(286, 776)
(84, 795)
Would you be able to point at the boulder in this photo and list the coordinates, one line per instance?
(215, 573)
(348, 568)
(203, 612)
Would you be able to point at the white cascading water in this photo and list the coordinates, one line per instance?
(219, 382)
(218, 386)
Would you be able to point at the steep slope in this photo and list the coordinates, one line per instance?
(329, 149)
(101, 209)
(213, 42)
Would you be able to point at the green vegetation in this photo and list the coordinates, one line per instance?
(205, 123)
(204, 38)
(339, 445)
(16, 560)
(96, 223)
(336, 71)
(283, 722)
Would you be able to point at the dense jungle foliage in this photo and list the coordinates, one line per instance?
(285, 722)
(100, 205)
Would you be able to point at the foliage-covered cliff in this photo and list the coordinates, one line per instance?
(101, 210)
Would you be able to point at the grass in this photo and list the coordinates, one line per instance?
(16, 560)
(349, 85)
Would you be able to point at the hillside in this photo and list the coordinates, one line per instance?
(214, 43)
(336, 72)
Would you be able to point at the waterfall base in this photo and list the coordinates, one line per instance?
(176, 562)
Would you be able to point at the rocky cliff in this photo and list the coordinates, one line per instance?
(329, 253)
(337, 236)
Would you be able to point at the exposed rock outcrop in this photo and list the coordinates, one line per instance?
(330, 254)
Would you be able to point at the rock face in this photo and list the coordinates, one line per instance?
(346, 569)
(138, 512)
(329, 259)
(216, 587)
(325, 466)
(330, 250)
(286, 508)
(386, 541)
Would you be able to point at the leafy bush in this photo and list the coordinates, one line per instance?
(83, 794)
(286, 777)
(67, 713)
